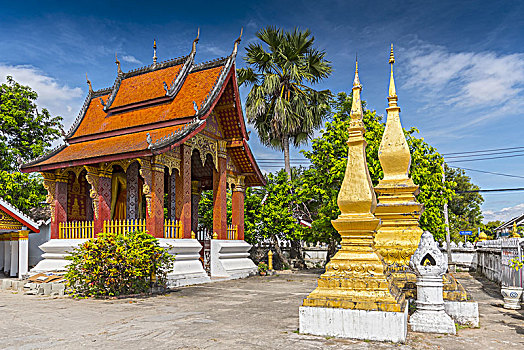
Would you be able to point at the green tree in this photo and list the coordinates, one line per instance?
(322, 181)
(25, 133)
(464, 207)
(274, 219)
(281, 105)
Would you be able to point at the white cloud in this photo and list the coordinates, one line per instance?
(131, 59)
(214, 50)
(504, 214)
(465, 79)
(59, 99)
(481, 85)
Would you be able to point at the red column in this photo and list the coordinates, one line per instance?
(220, 194)
(237, 207)
(183, 191)
(60, 205)
(155, 216)
(104, 199)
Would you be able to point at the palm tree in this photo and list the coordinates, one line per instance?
(280, 105)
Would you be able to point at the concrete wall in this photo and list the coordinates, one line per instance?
(35, 241)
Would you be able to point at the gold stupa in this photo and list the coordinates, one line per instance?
(356, 278)
(398, 237)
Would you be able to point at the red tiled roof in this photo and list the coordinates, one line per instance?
(144, 87)
(196, 87)
(109, 146)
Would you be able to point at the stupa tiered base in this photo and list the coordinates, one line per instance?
(398, 237)
(354, 297)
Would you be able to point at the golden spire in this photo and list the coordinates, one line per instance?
(392, 98)
(393, 152)
(356, 194)
(119, 69)
(356, 105)
(89, 83)
(154, 51)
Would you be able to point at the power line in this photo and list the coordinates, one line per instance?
(490, 172)
(488, 158)
(484, 154)
(493, 190)
(481, 151)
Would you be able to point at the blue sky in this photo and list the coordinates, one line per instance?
(459, 64)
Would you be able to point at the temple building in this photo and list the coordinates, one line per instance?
(141, 152)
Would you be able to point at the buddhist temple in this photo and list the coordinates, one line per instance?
(140, 153)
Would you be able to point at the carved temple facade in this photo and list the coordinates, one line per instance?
(140, 154)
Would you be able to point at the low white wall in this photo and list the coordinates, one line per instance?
(230, 259)
(55, 252)
(187, 268)
(463, 257)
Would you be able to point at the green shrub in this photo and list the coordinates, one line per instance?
(117, 264)
(262, 267)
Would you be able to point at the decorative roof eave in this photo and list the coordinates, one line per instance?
(253, 162)
(43, 157)
(182, 74)
(240, 114)
(91, 95)
(19, 216)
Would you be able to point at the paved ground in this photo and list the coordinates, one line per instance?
(255, 313)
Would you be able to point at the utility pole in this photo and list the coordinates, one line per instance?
(451, 267)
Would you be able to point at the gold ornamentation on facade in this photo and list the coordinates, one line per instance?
(238, 181)
(105, 169)
(222, 149)
(169, 161)
(8, 223)
(147, 175)
(355, 277)
(205, 145)
(50, 186)
(62, 175)
(92, 179)
(398, 237)
(123, 163)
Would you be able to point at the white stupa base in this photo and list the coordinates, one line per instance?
(355, 324)
(55, 253)
(427, 321)
(230, 259)
(187, 268)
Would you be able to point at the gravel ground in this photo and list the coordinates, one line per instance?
(254, 313)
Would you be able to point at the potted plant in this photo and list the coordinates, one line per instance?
(512, 294)
(262, 268)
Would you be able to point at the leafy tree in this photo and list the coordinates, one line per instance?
(489, 228)
(274, 220)
(25, 133)
(464, 207)
(322, 181)
(280, 105)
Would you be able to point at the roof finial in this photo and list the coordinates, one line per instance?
(118, 64)
(89, 83)
(356, 81)
(154, 51)
(392, 91)
(238, 41)
(196, 40)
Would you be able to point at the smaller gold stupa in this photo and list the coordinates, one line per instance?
(514, 233)
(355, 278)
